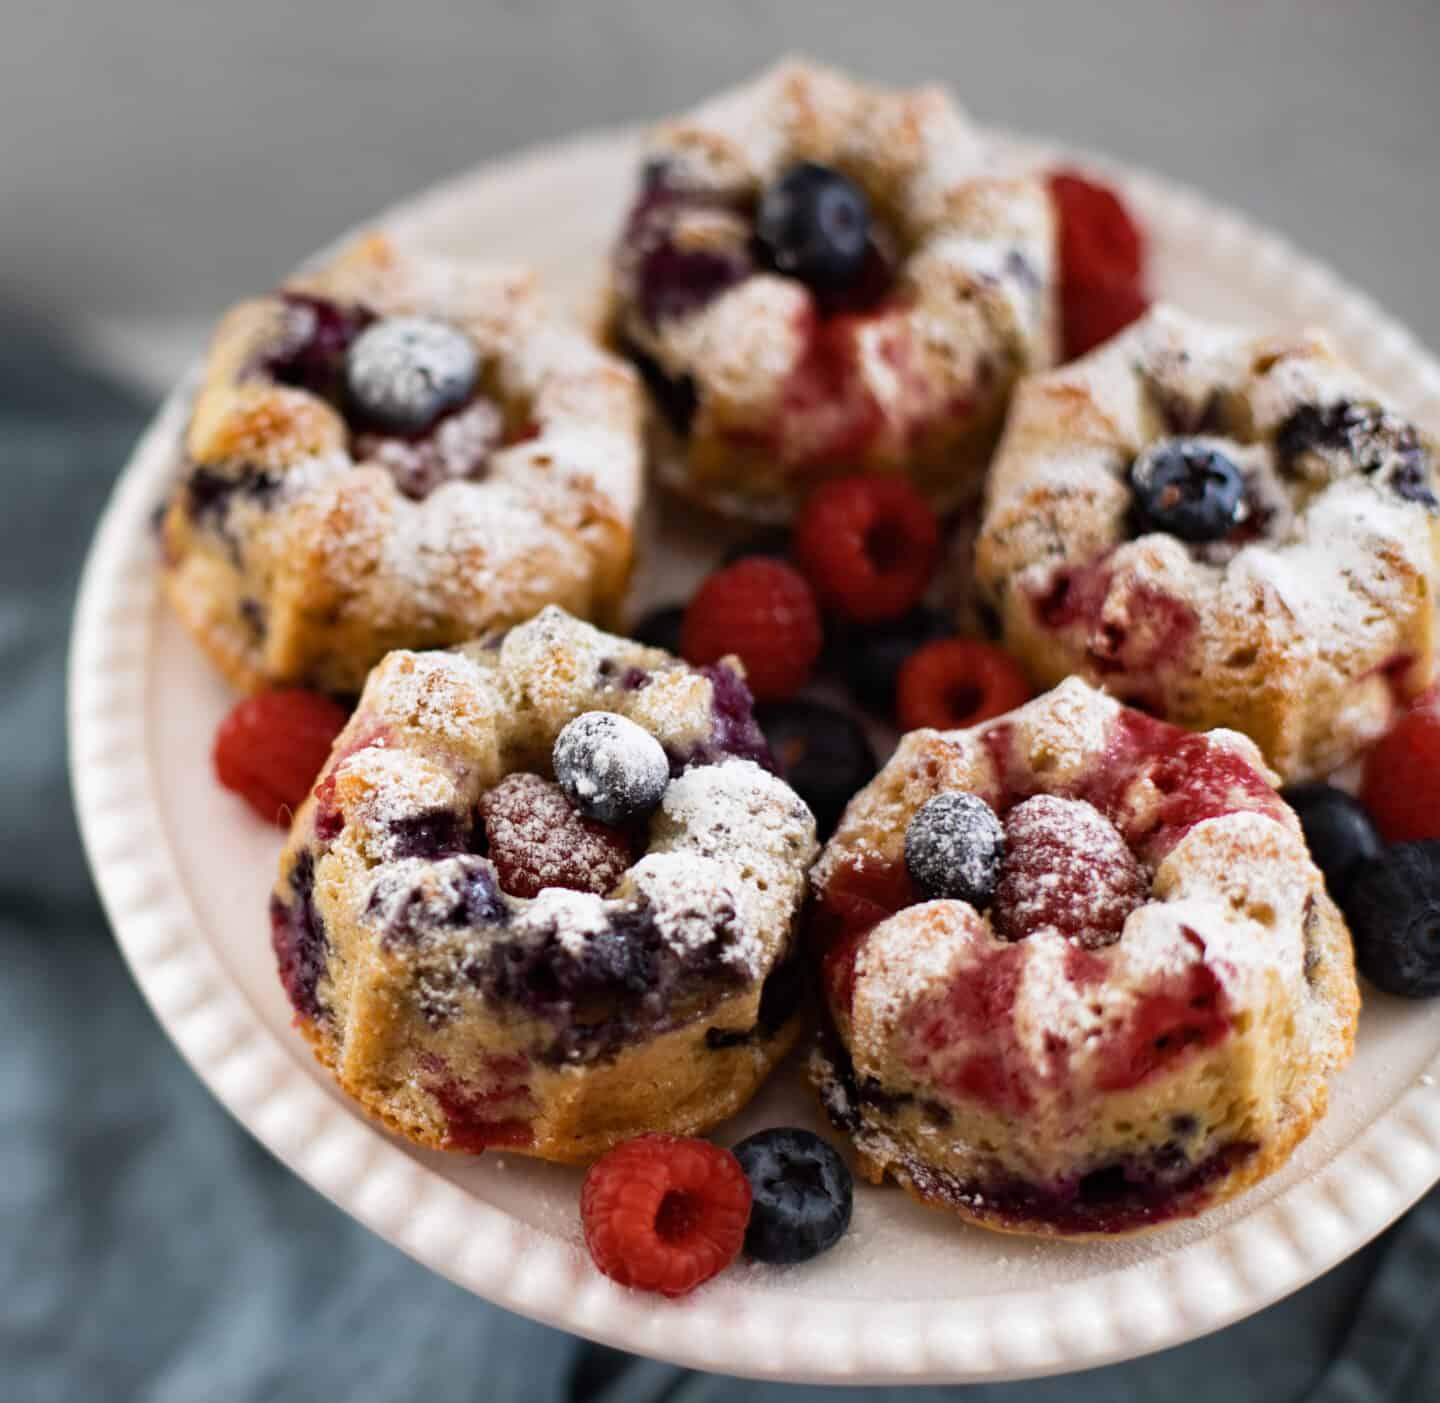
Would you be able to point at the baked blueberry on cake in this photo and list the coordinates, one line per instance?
(1081, 974)
(397, 451)
(820, 277)
(544, 895)
(1228, 530)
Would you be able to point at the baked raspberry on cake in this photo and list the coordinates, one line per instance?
(819, 277)
(544, 895)
(1081, 975)
(1226, 529)
(397, 451)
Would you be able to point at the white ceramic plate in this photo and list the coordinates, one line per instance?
(910, 1295)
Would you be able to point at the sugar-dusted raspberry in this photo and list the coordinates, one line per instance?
(958, 682)
(763, 611)
(869, 546)
(537, 840)
(270, 747)
(1102, 262)
(1402, 774)
(664, 1213)
(1066, 868)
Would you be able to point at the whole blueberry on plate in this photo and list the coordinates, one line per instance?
(1337, 828)
(870, 659)
(823, 755)
(814, 225)
(660, 628)
(802, 1195)
(1187, 489)
(403, 373)
(1392, 904)
(953, 848)
(611, 769)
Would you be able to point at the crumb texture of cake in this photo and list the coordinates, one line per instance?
(1225, 529)
(397, 451)
(819, 276)
(1138, 1015)
(479, 963)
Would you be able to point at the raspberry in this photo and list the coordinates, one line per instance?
(854, 901)
(957, 682)
(1066, 868)
(1102, 262)
(763, 611)
(869, 546)
(537, 840)
(270, 747)
(664, 1213)
(1401, 770)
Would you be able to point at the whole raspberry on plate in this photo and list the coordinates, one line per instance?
(869, 546)
(536, 840)
(270, 747)
(763, 611)
(958, 682)
(1401, 770)
(1102, 262)
(664, 1213)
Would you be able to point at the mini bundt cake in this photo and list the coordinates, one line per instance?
(1228, 530)
(397, 451)
(544, 895)
(818, 277)
(1081, 975)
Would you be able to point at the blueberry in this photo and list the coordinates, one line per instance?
(773, 542)
(1392, 904)
(823, 755)
(1186, 489)
(814, 225)
(871, 659)
(403, 373)
(1337, 828)
(611, 769)
(802, 1195)
(660, 628)
(953, 848)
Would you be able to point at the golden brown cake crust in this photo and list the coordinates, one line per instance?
(294, 561)
(1308, 633)
(1158, 1074)
(558, 1025)
(914, 386)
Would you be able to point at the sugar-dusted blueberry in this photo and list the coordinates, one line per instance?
(1337, 828)
(611, 769)
(954, 847)
(802, 1195)
(403, 373)
(1188, 489)
(814, 225)
(1392, 905)
(823, 755)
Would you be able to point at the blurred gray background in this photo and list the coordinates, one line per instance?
(158, 158)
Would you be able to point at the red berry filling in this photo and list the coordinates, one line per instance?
(869, 546)
(270, 747)
(957, 682)
(489, 1117)
(663, 1213)
(762, 611)
(1067, 869)
(1102, 262)
(852, 903)
(1400, 786)
(536, 840)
